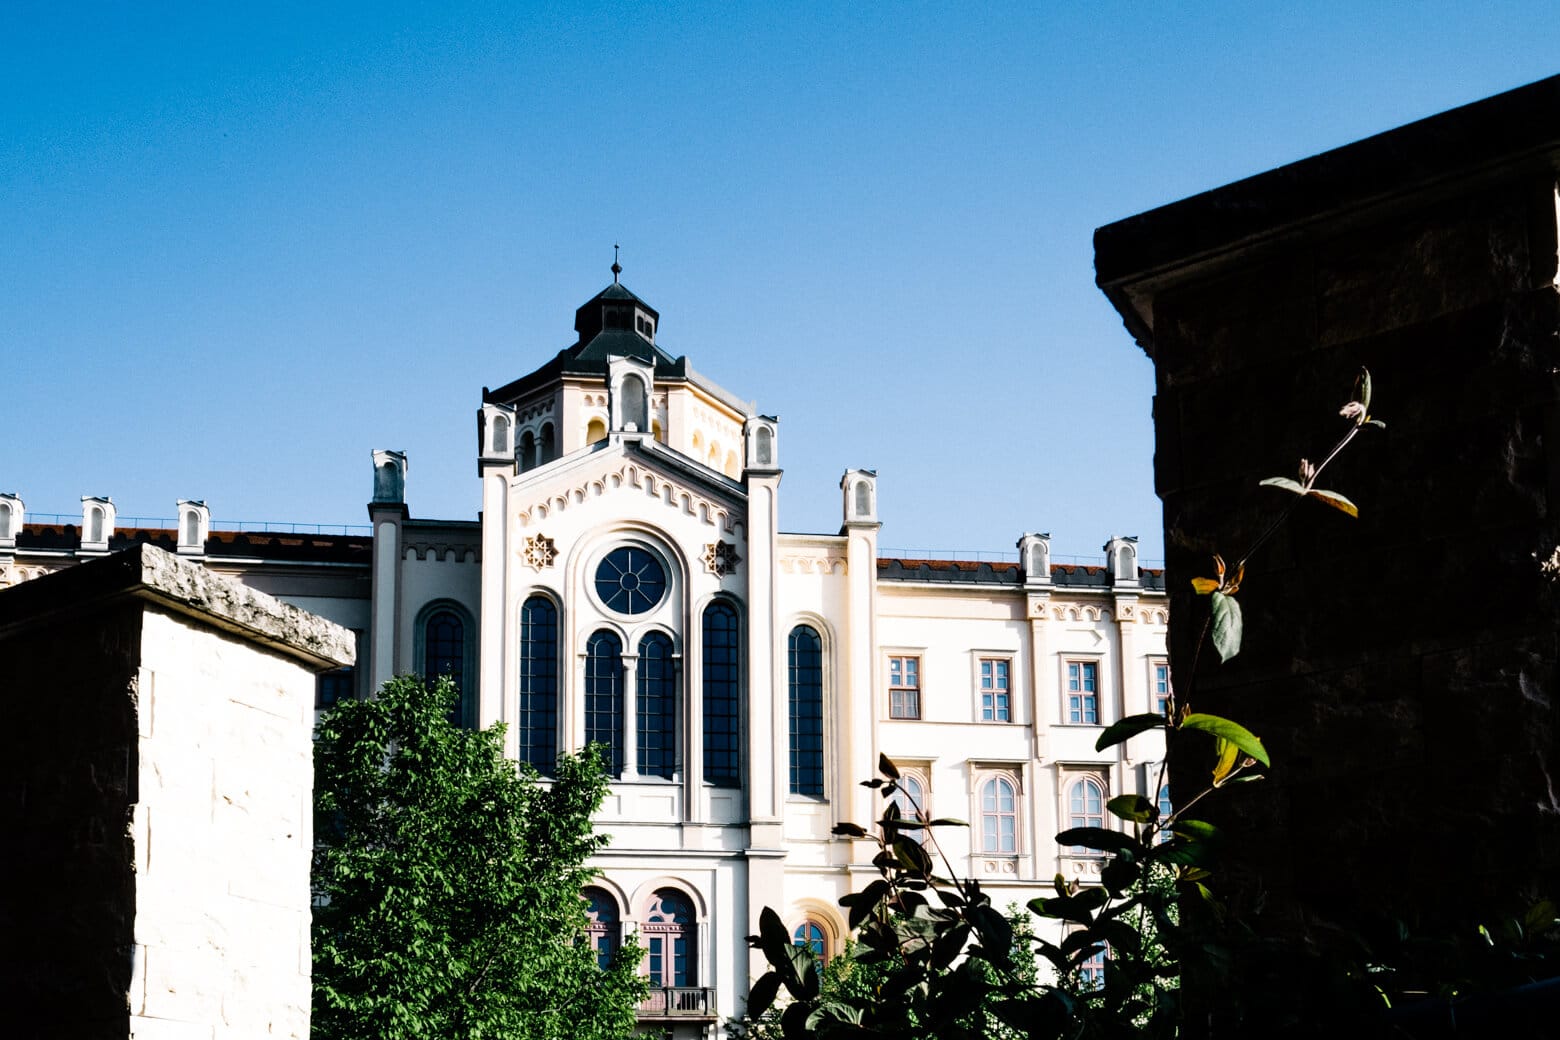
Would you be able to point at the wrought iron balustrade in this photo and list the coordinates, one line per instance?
(678, 1002)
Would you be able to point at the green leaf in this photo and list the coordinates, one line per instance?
(1198, 830)
(887, 767)
(1362, 389)
(763, 994)
(1127, 728)
(1133, 808)
(1227, 625)
(1228, 755)
(1336, 500)
(1285, 483)
(1233, 732)
(1101, 838)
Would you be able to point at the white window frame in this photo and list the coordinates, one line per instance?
(1008, 657)
(918, 653)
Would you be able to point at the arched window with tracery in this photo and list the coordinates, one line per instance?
(604, 930)
(604, 697)
(656, 704)
(537, 722)
(804, 651)
(721, 679)
(998, 816)
(669, 932)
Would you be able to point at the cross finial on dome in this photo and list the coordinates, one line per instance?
(617, 268)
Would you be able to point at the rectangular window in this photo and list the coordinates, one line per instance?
(1162, 687)
(904, 687)
(330, 687)
(1083, 692)
(996, 700)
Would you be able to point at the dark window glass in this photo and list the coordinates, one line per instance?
(656, 698)
(805, 673)
(444, 653)
(722, 743)
(604, 697)
(538, 718)
(330, 687)
(630, 580)
(604, 931)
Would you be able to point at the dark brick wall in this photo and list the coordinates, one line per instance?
(67, 891)
(1400, 667)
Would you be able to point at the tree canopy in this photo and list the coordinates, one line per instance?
(447, 882)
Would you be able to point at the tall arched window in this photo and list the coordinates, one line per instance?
(537, 722)
(95, 530)
(5, 519)
(766, 446)
(544, 445)
(656, 704)
(805, 675)
(669, 934)
(604, 931)
(1085, 807)
(500, 435)
(604, 697)
(444, 653)
(527, 450)
(191, 527)
(998, 816)
(910, 799)
(721, 679)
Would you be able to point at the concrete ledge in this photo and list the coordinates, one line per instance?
(148, 573)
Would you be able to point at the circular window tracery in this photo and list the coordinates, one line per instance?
(630, 580)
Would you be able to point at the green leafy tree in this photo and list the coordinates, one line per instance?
(448, 882)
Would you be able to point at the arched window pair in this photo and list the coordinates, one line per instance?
(655, 702)
(669, 933)
(536, 448)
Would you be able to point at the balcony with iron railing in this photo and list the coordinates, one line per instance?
(678, 1002)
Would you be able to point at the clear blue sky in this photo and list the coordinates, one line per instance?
(243, 245)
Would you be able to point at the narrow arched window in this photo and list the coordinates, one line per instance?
(191, 528)
(863, 499)
(5, 519)
(1124, 566)
(604, 930)
(544, 445)
(656, 704)
(444, 653)
(538, 717)
(766, 446)
(721, 679)
(95, 530)
(805, 682)
(1085, 807)
(633, 412)
(527, 450)
(669, 930)
(604, 697)
(500, 435)
(998, 816)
